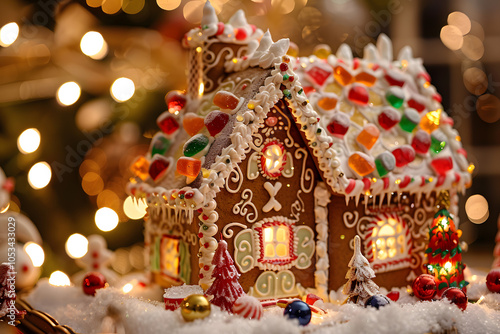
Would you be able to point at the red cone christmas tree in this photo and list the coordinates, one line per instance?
(226, 289)
(8, 311)
(359, 286)
(444, 254)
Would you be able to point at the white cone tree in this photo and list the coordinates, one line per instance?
(359, 286)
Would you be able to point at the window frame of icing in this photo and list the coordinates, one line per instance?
(181, 254)
(277, 263)
(401, 259)
(262, 160)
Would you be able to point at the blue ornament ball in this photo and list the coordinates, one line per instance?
(377, 301)
(299, 310)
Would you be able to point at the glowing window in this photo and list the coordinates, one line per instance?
(389, 238)
(273, 159)
(276, 242)
(170, 256)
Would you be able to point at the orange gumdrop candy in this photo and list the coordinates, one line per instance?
(189, 167)
(226, 100)
(192, 123)
(140, 168)
(342, 75)
(361, 163)
(327, 103)
(368, 136)
(366, 79)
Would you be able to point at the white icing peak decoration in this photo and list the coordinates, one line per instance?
(227, 33)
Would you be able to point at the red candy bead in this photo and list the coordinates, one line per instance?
(167, 123)
(358, 94)
(393, 295)
(424, 287)
(456, 296)
(493, 281)
(93, 281)
(215, 122)
(404, 155)
(241, 34)
(283, 67)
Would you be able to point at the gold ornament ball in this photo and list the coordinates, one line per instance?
(195, 307)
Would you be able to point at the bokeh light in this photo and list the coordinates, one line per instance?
(28, 141)
(451, 37)
(488, 108)
(68, 93)
(193, 11)
(111, 6)
(473, 47)
(476, 208)
(94, 45)
(461, 21)
(122, 89)
(76, 246)
(58, 278)
(127, 288)
(39, 175)
(92, 184)
(134, 209)
(106, 219)
(35, 252)
(168, 4)
(475, 80)
(132, 6)
(9, 34)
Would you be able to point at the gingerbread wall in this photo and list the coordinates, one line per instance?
(245, 207)
(347, 221)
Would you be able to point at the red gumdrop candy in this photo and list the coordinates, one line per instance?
(394, 78)
(339, 124)
(358, 94)
(215, 122)
(93, 281)
(388, 118)
(167, 123)
(175, 100)
(417, 104)
(442, 165)
(158, 167)
(318, 75)
(404, 155)
(421, 142)
(226, 100)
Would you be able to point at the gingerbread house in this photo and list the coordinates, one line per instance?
(288, 159)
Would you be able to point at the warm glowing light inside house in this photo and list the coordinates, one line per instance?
(39, 175)
(201, 89)
(127, 288)
(134, 209)
(276, 241)
(77, 246)
(274, 158)
(9, 34)
(170, 258)
(68, 93)
(35, 252)
(389, 239)
(28, 141)
(122, 89)
(106, 219)
(94, 45)
(58, 278)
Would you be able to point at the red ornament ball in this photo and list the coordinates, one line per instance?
(493, 281)
(425, 287)
(93, 281)
(456, 296)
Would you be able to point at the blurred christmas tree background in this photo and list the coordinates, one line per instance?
(89, 78)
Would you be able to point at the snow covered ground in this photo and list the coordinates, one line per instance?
(85, 314)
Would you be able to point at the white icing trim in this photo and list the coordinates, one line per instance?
(272, 190)
(321, 275)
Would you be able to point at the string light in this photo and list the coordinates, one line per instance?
(168, 4)
(94, 45)
(28, 141)
(68, 93)
(35, 252)
(76, 246)
(9, 34)
(58, 278)
(477, 209)
(106, 219)
(122, 89)
(127, 288)
(39, 175)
